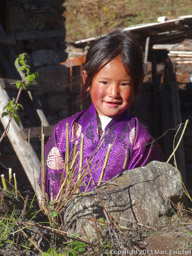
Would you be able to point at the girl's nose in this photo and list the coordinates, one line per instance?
(113, 90)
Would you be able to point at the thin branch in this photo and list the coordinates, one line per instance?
(181, 137)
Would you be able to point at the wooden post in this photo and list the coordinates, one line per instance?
(22, 148)
(171, 116)
(155, 104)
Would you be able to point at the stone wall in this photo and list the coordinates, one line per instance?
(35, 27)
(38, 27)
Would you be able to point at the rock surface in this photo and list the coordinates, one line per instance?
(141, 195)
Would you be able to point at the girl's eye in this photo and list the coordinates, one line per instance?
(103, 82)
(125, 84)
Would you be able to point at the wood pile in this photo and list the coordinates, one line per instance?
(181, 57)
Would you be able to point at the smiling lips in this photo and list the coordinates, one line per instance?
(113, 103)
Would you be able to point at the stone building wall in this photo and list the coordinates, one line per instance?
(35, 27)
(38, 27)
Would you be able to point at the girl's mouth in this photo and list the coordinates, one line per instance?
(113, 103)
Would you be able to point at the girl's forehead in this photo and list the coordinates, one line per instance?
(114, 67)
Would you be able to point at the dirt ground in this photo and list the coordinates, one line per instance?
(173, 236)
(173, 239)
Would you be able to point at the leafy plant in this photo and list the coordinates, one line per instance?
(188, 232)
(13, 106)
(52, 252)
(24, 71)
(6, 226)
(11, 109)
(75, 247)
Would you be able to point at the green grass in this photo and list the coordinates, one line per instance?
(87, 18)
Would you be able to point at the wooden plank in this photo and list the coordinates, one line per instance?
(7, 40)
(35, 35)
(9, 84)
(175, 37)
(22, 148)
(181, 58)
(184, 62)
(180, 53)
(163, 46)
(35, 132)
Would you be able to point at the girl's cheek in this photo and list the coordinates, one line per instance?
(97, 94)
(128, 94)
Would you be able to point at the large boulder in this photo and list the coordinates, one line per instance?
(141, 195)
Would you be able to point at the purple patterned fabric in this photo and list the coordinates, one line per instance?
(125, 132)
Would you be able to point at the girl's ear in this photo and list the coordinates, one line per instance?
(84, 76)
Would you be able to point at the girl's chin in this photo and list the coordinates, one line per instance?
(109, 113)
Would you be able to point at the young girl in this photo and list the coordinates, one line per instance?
(112, 75)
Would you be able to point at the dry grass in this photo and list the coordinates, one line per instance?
(75, 175)
(87, 18)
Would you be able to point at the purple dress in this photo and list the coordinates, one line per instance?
(126, 134)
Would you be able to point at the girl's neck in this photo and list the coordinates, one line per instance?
(103, 121)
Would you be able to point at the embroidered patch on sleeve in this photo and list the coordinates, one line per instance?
(132, 135)
(54, 159)
(76, 131)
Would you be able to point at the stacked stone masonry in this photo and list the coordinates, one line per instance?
(38, 28)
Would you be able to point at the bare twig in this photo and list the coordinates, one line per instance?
(31, 241)
(139, 224)
(85, 233)
(178, 143)
(108, 217)
(42, 164)
(61, 233)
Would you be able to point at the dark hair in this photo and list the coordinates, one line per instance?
(108, 47)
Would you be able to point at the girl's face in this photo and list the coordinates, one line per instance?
(111, 89)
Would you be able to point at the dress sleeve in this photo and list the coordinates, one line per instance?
(145, 149)
(54, 161)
